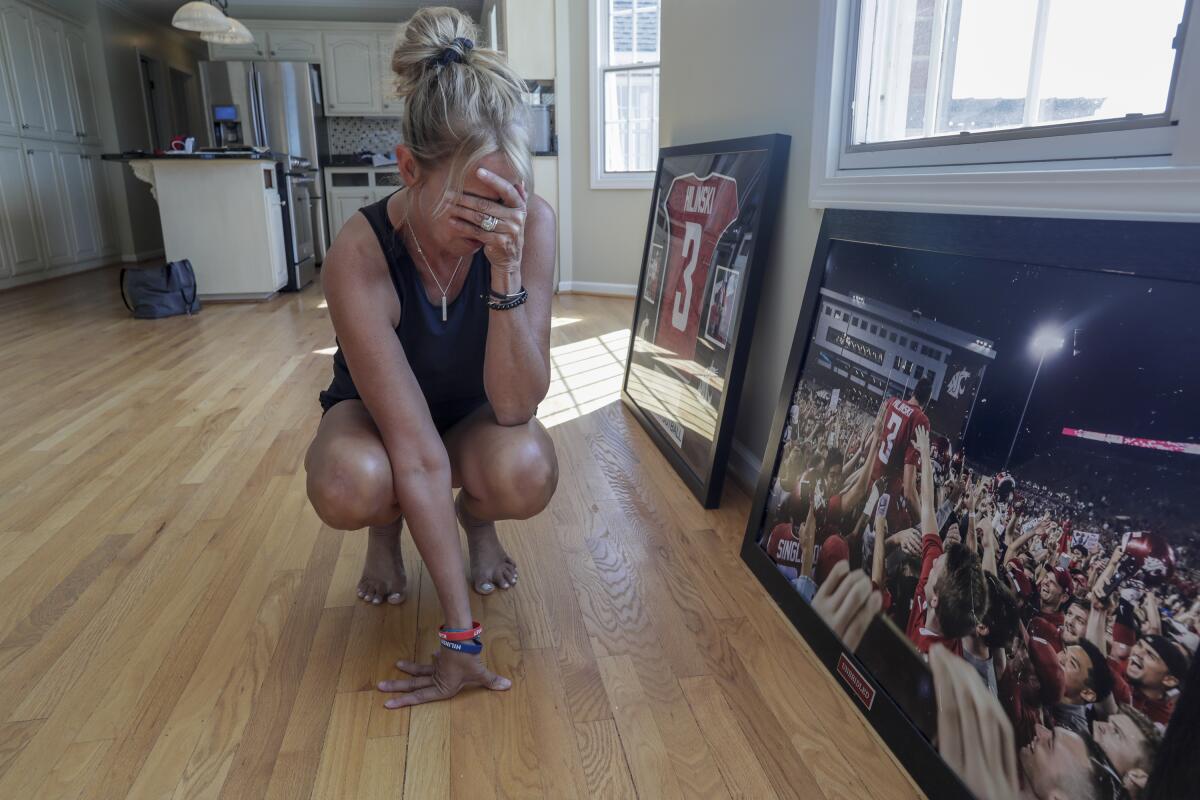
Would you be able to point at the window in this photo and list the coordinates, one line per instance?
(625, 77)
(1026, 107)
(935, 68)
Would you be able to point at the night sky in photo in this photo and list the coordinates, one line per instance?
(1130, 364)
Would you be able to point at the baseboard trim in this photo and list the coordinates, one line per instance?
(744, 467)
(601, 289)
(55, 272)
(133, 258)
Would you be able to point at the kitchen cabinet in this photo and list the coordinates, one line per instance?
(9, 125)
(18, 224)
(28, 92)
(240, 52)
(351, 75)
(79, 186)
(390, 102)
(41, 160)
(529, 37)
(52, 56)
(293, 45)
(83, 98)
(347, 189)
(343, 205)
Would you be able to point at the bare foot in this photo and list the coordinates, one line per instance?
(383, 575)
(490, 565)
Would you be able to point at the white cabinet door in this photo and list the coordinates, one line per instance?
(239, 52)
(81, 209)
(52, 53)
(32, 116)
(529, 30)
(351, 75)
(87, 129)
(294, 45)
(41, 160)
(390, 102)
(17, 210)
(9, 124)
(343, 206)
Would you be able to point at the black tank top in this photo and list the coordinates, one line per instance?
(446, 357)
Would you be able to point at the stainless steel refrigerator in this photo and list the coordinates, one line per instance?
(278, 105)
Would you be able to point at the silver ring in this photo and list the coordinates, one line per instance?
(489, 223)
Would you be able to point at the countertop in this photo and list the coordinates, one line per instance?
(340, 160)
(237, 156)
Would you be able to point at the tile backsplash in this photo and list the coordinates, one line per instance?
(354, 134)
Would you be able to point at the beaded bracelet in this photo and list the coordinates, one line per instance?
(503, 302)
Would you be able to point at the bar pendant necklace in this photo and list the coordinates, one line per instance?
(425, 261)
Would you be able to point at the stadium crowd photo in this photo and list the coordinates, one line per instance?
(1058, 616)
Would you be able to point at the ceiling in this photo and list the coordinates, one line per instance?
(323, 10)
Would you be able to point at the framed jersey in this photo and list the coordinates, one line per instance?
(978, 502)
(711, 218)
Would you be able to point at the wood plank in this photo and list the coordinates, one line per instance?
(295, 767)
(734, 755)
(345, 740)
(604, 766)
(382, 775)
(641, 741)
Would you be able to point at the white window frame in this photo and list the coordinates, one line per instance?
(1043, 171)
(598, 27)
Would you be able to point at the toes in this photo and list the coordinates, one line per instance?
(396, 598)
(485, 587)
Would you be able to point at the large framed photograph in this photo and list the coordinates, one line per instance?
(981, 486)
(711, 220)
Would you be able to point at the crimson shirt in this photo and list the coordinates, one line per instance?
(900, 422)
(698, 212)
(783, 547)
(918, 634)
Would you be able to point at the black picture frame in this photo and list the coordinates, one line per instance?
(706, 479)
(1149, 249)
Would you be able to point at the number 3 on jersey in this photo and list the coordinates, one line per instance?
(683, 299)
(894, 424)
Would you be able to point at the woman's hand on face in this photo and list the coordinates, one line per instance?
(448, 675)
(504, 245)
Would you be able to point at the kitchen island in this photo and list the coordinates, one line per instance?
(222, 212)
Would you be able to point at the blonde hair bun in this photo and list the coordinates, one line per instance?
(462, 101)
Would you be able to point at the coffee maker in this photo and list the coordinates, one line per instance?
(227, 128)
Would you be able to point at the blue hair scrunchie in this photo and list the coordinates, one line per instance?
(453, 55)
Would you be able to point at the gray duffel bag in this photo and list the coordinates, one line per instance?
(161, 291)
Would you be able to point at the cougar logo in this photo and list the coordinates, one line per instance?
(958, 384)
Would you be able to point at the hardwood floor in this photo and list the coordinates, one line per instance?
(176, 622)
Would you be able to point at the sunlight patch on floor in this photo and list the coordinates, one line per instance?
(584, 376)
(325, 351)
(558, 322)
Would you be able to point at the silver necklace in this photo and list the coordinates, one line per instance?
(421, 253)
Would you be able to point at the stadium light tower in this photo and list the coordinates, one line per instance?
(1045, 342)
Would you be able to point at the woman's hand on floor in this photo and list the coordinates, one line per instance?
(448, 675)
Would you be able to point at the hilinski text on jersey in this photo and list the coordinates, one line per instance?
(699, 199)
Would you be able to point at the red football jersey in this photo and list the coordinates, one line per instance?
(783, 547)
(698, 212)
(900, 423)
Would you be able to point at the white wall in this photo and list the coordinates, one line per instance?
(608, 225)
(741, 69)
